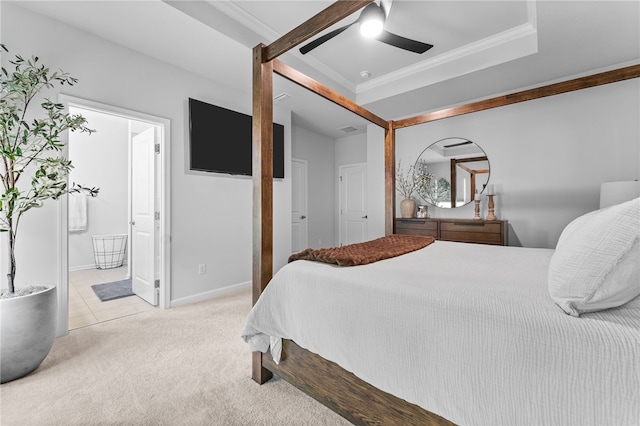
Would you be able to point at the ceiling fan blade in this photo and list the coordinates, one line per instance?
(328, 36)
(457, 144)
(403, 43)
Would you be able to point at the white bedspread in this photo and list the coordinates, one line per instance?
(466, 331)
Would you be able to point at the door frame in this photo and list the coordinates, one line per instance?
(305, 165)
(164, 236)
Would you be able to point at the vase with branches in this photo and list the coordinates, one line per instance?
(407, 184)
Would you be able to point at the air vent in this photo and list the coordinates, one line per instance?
(347, 129)
(281, 97)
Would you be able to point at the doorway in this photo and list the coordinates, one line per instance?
(126, 167)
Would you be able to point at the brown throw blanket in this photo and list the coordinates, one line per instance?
(366, 252)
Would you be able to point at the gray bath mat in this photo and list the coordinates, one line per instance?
(113, 290)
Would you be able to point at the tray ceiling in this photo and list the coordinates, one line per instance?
(481, 48)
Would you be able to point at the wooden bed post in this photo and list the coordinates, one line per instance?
(389, 178)
(454, 181)
(262, 146)
(262, 140)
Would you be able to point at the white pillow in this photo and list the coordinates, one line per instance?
(596, 264)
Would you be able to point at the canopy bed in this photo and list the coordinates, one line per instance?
(418, 391)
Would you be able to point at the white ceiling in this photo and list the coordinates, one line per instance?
(481, 48)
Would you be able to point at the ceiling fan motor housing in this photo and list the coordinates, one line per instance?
(371, 20)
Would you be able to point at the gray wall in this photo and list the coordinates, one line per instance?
(319, 151)
(211, 215)
(324, 157)
(548, 156)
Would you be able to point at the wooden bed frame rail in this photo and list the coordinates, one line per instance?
(325, 381)
(343, 392)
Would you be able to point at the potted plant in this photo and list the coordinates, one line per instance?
(32, 171)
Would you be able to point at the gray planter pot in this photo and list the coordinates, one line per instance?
(27, 330)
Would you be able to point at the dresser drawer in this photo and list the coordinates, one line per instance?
(463, 226)
(471, 237)
(460, 230)
(423, 227)
(472, 232)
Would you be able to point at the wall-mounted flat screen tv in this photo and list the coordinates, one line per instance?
(220, 141)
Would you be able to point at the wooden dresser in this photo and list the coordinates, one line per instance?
(461, 230)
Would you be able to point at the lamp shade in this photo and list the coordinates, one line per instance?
(618, 192)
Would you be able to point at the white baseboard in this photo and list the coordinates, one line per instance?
(82, 267)
(90, 266)
(219, 292)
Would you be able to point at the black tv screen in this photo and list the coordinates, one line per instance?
(220, 141)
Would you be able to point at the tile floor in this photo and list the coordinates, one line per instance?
(84, 306)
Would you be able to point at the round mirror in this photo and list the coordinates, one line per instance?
(451, 171)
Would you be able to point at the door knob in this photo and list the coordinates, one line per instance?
(364, 217)
(303, 217)
(133, 223)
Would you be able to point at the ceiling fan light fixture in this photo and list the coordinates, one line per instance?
(371, 28)
(371, 20)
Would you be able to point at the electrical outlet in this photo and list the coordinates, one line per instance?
(202, 268)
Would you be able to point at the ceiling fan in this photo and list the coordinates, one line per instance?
(371, 21)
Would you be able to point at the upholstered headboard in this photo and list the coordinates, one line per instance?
(618, 192)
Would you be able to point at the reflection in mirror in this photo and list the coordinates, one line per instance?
(451, 171)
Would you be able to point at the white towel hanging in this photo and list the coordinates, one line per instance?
(77, 212)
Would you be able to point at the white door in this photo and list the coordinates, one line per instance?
(353, 204)
(299, 231)
(143, 215)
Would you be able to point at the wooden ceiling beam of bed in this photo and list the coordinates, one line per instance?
(580, 83)
(319, 89)
(323, 20)
(357, 410)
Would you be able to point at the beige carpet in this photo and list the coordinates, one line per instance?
(180, 366)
